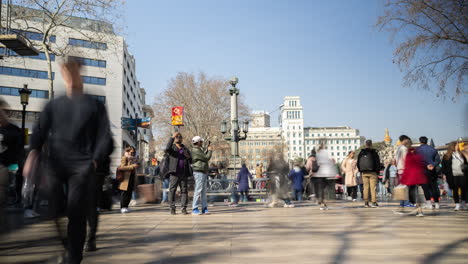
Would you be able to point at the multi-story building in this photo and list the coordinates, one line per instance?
(109, 74)
(262, 141)
(301, 140)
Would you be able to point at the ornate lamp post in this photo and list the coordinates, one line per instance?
(235, 131)
(24, 97)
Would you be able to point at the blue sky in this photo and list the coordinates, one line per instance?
(327, 52)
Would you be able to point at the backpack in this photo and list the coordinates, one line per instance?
(164, 166)
(366, 162)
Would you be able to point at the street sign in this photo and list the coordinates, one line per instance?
(177, 116)
(128, 123)
(144, 122)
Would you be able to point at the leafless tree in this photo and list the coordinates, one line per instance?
(206, 103)
(432, 38)
(48, 17)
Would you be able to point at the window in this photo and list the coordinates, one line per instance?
(347, 134)
(91, 62)
(300, 141)
(300, 148)
(12, 91)
(344, 147)
(342, 134)
(294, 127)
(100, 98)
(294, 142)
(40, 56)
(300, 134)
(344, 153)
(318, 135)
(33, 35)
(313, 141)
(333, 153)
(24, 72)
(338, 154)
(331, 147)
(336, 134)
(87, 44)
(294, 148)
(338, 147)
(94, 80)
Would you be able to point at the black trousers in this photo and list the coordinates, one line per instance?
(93, 214)
(319, 185)
(126, 196)
(352, 191)
(431, 190)
(175, 181)
(412, 193)
(71, 189)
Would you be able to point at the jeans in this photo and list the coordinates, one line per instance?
(165, 185)
(199, 193)
(175, 181)
(298, 195)
(431, 190)
(370, 184)
(319, 185)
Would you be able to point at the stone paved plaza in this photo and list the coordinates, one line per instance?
(252, 233)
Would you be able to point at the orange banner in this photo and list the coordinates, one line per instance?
(177, 116)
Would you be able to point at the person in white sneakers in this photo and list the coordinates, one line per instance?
(453, 163)
(431, 161)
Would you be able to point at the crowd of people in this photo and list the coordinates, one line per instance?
(73, 139)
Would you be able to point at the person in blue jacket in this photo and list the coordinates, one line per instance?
(296, 175)
(243, 181)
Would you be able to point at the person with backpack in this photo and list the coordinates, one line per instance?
(200, 158)
(368, 164)
(312, 167)
(178, 169)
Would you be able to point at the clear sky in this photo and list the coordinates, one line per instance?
(327, 52)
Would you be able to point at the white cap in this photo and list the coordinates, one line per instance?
(196, 139)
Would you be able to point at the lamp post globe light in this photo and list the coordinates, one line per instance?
(235, 131)
(24, 97)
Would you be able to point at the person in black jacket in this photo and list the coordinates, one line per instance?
(368, 164)
(77, 131)
(179, 170)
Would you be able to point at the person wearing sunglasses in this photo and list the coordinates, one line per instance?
(179, 169)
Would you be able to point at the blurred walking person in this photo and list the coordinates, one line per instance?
(349, 167)
(258, 175)
(76, 129)
(311, 168)
(296, 175)
(277, 173)
(400, 157)
(179, 170)
(368, 164)
(243, 180)
(326, 170)
(200, 159)
(431, 161)
(414, 175)
(128, 166)
(453, 163)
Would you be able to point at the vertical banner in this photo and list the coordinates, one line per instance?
(177, 116)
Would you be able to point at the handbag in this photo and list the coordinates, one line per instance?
(400, 193)
(119, 174)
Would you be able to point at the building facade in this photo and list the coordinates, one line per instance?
(109, 74)
(261, 143)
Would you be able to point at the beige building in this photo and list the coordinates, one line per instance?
(262, 141)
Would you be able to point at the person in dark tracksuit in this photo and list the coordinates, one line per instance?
(77, 130)
(179, 170)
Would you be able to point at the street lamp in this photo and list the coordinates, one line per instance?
(24, 98)
(235, 130)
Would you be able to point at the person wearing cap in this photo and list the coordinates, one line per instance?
(200, 159)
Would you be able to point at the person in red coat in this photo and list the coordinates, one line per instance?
(413, 175)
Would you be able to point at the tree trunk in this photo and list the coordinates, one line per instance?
(49, 71)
